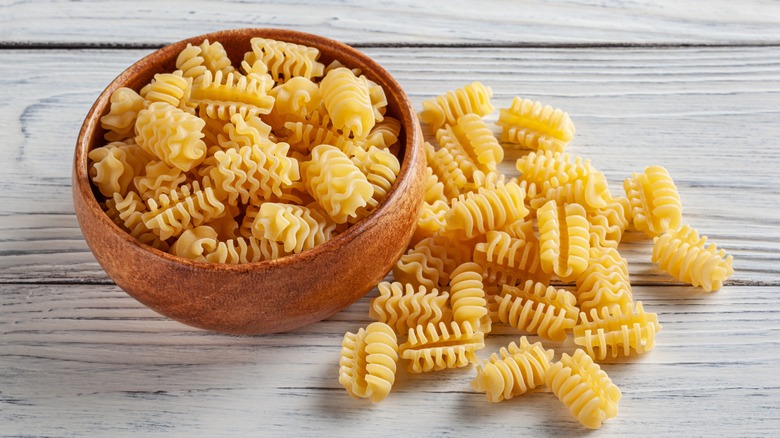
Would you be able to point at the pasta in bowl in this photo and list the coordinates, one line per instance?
(249, 181)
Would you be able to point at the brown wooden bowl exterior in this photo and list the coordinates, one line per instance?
(270, 296)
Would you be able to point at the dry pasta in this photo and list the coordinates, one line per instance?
(532, 125)
(689, 258)
(617, 331)
(434, 348)
(518, 370)
(368, 362)
(402, 307)
(537, 308)
(447, 108)
(655, 203)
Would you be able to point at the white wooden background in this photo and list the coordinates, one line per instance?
(693, 86)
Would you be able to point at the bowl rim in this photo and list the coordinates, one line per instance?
(412, 146)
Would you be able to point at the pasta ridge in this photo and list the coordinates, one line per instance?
(445, 167)
(467, 297)
(401, 307)
(120, 120)
(479, 141)
(336, 183)
(518, 370)
(348, 102)
(655, 203)
(605, 282)
(447, 108)
(430, 262)
(171, 214)
(688, 258)
(285, 60)
(368, 360)
(158, 179)
(584, 388)
(617, 331)
(474, 214)
(507, 260)
(537, 308)
(299, 228)
(535, 126)
(298, 96)
(434, 348)
(220, 96)
(171, 88)
(172, 135)
(564, 239)
(448, 140)
(130, 210)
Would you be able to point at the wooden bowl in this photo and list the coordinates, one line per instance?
(270, 296)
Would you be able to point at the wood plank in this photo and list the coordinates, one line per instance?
(708, 115)
(90, 360)
(147, 23)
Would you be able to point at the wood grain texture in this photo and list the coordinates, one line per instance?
(708, 115)
(545, 22)
(89, 360)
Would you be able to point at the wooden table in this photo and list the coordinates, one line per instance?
(691, 87)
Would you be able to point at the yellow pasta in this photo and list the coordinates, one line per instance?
(113, 167)
(368, 362)
(299, 228)
(477, 213)
(434, 348)
(402, 308)
(285, 60)
(171, 88)
(584, 388)
(518, 370)
(533, 125)
(443, 165)
(220, 96)
(298, 96)
(384, 134)
(172, 135)
(226, 226)
(655, 203)
(479, 141)
(688, 258)
(434, 189)
(195, 61)
(608, 224)
(467, 297)
(381, 168)
(449, 141)
(537, 308)
(564, 239)
(336, 183)
(306, 134)
(158, 179)
(348, 102)
(120, 120)
(187, 207)
(430, 262)
(430, 221)
(509, 260)
(605, 282)
(447, 108)
(130, 211)
(617, 331)
(557, 178)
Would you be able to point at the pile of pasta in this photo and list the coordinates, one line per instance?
(236, 164)
(488, 248)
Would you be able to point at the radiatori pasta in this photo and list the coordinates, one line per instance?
(251, 159)
(488, 246)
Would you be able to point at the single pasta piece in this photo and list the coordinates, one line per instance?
(655, 203)
(400, 307)
(445, 167)
(434, 189)
(518, 370)
(474, 214)
(299, 228)
(158, 179)
(127, 212)
(120, 120)
(169, 215)
(171, 88)
(194, 61)
(479, 141)
(431, 261)
(688, 258)
(381, 168)
(434, 348)
(220, 96)
(285, 60)
(114, 166)
(245, 132)
(605, 282)
(348, 102)
(537, 308)
(447, 108)
(383, 135)
(246, 250)
(195, 243)
(608, 224)
(584, 388)
(368, 362)
(534, 126)
(298, 96)
(506, 259)
(172, 135)
(617, 331)
(564, 239)
(336, 183)
(449, 141)
(467, 297)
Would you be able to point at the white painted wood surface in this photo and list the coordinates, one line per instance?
(79, 357)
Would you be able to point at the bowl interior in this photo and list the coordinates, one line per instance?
(267, 296)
